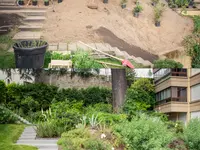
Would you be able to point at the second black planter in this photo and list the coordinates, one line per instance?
(105, 1)
(34, 3)
(21, 2)
(59, 1)
(46, 3)
(157, 23)
(136, 14)
(123, 6)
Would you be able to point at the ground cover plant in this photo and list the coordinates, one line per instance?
(167, 63)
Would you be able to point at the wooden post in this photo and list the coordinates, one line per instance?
(119, 86)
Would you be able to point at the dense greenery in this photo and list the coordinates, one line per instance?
(140, 96)
(6, 116)
(9, 135)
(192, 134)
(192, 43)
(144, 133)
(3, 91)
(167, 63)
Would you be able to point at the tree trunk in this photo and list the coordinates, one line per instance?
(119, 86)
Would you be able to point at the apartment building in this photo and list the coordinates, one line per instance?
(178, 93)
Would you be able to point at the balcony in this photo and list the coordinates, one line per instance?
(163, 73)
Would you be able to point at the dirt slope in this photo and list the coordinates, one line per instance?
(73, 21)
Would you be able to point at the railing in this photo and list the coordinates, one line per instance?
(172, 99)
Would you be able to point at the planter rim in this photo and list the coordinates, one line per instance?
(29, 49)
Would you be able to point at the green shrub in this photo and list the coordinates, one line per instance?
(83, 60)
(167, 63)
(6, 117)
(144, 133)
(196, 24)
(192, 134)
(3, 91)
(95, 144)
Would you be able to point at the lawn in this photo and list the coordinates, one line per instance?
(9, 134)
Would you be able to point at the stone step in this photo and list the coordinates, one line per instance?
(118, 52)
(37, 141)
(30, 27)
(33, 12)
(41, 146)
(27, 35)
(7, 4)
(35, 18)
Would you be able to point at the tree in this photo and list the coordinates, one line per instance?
(140, 96)
(119, 86)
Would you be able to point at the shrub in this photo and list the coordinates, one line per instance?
(144, 133)
(140, 96)
(192, 134)
(196, 24)
(167, 63)
(95, 144)
(3, 91)
(6, 116)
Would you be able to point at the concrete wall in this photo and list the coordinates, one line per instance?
(76, 81)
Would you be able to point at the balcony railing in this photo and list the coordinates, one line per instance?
(172, 99)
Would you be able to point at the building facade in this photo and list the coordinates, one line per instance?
(178, 93)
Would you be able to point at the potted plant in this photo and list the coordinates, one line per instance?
(30, 53)
(59, 1)
(21, 2)
(34, 2)
(158, 10)
(137, 10)
(123, 3)
(105, 1)
(46, 2)
(154, 2)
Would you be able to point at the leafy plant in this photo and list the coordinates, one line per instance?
(60, 56)
(192, 134)
(7, 117)
(144, 133)
(95, 144)
(167, 63)
(158, 10)
(196, 24)
(94, 121)
(181, 3)
(3, 92)
(137, 9)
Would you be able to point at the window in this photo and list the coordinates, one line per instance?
(165, 94)
(195, 92)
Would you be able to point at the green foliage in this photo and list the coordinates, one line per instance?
(144, 133)
(158, 10)
(192, 46)
(138, 8)
(91, 95)
(192, 134)
(83, 60)
(196, 20)
(3, 91)
(7, 59)
(181, 3)
(140, 96)
(6, 116)
(95, 144)
(167, 63)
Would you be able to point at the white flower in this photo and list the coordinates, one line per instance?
(113, 148)
(103, 136)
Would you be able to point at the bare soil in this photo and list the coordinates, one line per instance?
(73, 21)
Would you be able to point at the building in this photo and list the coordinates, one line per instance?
(178, 93)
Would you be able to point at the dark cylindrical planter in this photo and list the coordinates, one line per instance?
(29, 57)
(34, 3)
(59, 1)
(136, 14)
(46, 3)
(105, 1)
(21, 2)
(157, 23)
(123, 6)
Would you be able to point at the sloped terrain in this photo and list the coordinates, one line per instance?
(73, 21)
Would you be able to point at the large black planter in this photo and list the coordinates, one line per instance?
(46, 3)
(105, 1)
(21, 2)
(29, 57)
(59, 1)
(34, 3)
